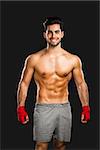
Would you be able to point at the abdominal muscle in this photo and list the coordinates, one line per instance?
(52, 93)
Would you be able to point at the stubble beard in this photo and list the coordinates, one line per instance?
(54, 45)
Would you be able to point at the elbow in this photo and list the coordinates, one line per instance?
(22, 85)
(82, 85)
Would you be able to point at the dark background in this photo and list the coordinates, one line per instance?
(21, 36)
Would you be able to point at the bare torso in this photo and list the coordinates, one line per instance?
(52, 74)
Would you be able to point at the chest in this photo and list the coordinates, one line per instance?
(60, 66)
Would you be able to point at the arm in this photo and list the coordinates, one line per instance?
(26, 77)
(80, 83)
(81, 87)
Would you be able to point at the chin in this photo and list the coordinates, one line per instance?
(54, 44)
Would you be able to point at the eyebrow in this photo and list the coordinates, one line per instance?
(54, 31)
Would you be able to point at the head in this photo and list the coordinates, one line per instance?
(53, 31)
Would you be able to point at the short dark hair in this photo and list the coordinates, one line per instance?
(53, 20)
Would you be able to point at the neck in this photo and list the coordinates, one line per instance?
(52, 49)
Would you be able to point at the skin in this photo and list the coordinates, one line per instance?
(52, 69)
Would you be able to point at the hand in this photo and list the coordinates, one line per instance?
(85, 116)
(22, 115)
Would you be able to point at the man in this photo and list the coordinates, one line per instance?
(53, 68)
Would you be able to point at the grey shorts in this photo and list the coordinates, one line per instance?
(52, 120)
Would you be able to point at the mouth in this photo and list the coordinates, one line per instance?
(54, 40)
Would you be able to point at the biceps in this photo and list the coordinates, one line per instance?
(27, 74)
(78, 76)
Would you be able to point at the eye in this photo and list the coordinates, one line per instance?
(57, 32)
(49, 32)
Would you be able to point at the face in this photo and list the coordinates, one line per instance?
(53, 35)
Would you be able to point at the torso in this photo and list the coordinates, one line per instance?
(52, 75)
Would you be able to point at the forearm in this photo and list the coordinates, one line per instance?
(83, 93)
(22, 94)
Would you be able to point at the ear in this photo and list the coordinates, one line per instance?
(62, 34)
(44, 34)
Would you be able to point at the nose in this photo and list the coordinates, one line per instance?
(53, 35)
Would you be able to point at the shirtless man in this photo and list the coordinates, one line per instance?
(52, 68)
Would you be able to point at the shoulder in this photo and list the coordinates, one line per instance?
(71, 55)
(75, 59)
(33, 58)
(77, 63)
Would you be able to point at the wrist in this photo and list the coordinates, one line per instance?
(20, 106)
(86, 108)
(21, 103)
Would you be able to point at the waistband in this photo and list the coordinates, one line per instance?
(52, 105)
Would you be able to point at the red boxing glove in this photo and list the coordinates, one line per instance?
(22, 114)
(86, 113)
